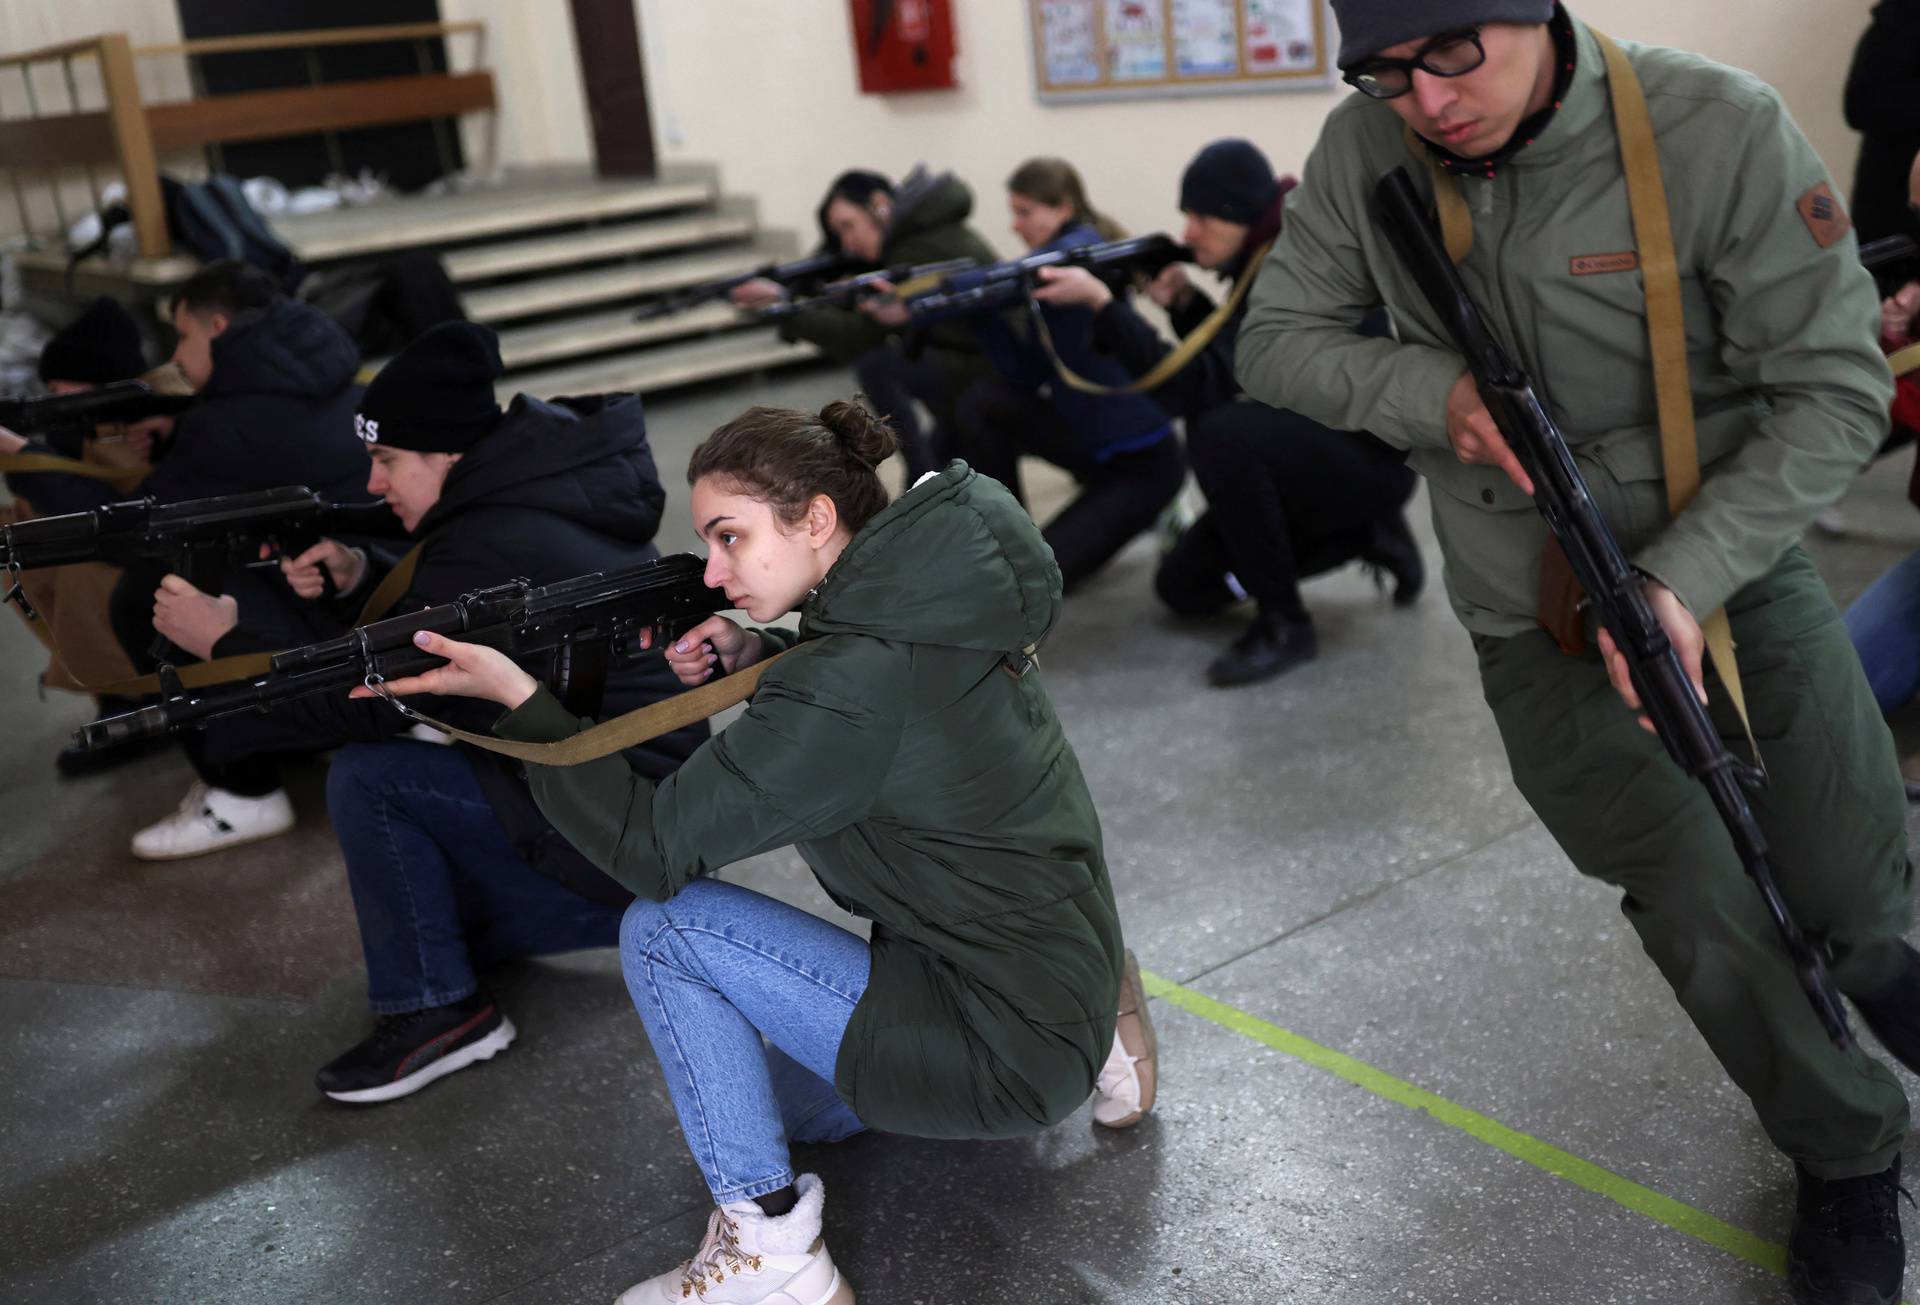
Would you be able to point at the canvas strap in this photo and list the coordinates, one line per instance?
(1178, 357)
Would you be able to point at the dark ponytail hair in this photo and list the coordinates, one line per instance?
(857, 187)
(784, 457)
(1056, 182)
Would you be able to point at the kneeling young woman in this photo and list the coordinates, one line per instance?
(907, 747)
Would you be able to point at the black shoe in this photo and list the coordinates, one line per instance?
(407, 1052)
(1893, 1013)
(1846, 1247)
(1270, 645)
(1394, 551)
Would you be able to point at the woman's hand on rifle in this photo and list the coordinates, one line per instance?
(472, 671)
(715, 642)
(1072, 286)
(758, 293)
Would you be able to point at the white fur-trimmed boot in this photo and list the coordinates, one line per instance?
(750, 1257)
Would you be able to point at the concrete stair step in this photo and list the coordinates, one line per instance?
(482, 212)
(662, 367)
(573, 337)
(632, 283)
(597, 244)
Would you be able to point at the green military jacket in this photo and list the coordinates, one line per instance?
(1790, 390)
(931, 790)
(929, 225)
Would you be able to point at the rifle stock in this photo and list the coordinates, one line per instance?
(593, 619)
(1614, 588)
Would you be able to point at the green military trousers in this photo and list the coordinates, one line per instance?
(1834, 813)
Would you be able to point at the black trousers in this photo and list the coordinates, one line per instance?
(892, 378)
(271, 615)
(1119, 498)
(1287, 498)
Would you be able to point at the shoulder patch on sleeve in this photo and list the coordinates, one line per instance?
(1824, 216)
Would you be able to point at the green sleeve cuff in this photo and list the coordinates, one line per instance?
(540, 719)
(1701, 585)
(777, 640)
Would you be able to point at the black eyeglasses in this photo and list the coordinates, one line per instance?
(1451, 54)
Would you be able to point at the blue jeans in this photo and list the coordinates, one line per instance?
(1885, 625)
(439, 890)
(746, 1000)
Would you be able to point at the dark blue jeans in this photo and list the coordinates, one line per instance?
(439, 890)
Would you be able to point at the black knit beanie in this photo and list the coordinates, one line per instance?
(435, 395)
(1369, 26)
(1229, 179)
(100, 346)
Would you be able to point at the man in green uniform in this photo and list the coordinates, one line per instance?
(1509, 102)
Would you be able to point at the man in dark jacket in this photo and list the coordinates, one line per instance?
(451, 865)
(275, 386)
(1883, 86)
(1288, 498)
(924, 220)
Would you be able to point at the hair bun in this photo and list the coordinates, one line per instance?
(860, 431)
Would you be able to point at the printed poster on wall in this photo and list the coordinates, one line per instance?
(1280, 35)
(1136, 41)
(1205, 38)
(1101, 49)
(1069, 36)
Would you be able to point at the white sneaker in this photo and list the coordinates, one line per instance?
(749, 1257)
(209, 819)
(1125, 1090)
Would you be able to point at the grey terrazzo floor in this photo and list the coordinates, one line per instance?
(1339, 853)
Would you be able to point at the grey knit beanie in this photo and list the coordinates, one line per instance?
(1369, 26)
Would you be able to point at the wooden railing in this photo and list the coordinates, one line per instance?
(129, 134)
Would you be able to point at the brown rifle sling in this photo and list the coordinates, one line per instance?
(1178, 357)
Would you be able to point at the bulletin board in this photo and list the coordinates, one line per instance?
(1112, 49)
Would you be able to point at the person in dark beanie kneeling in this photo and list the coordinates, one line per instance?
(1287, 497)
(452, 866)
(1522, 126)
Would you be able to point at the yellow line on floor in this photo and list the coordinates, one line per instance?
(1676, 1215)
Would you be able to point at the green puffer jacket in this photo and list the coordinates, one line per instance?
(932, 792)
(929, 225)
(1789, 387)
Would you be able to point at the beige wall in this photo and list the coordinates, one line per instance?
(767, 90)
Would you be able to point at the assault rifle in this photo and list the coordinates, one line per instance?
(1613, 587)
(63, 418)
(905, 280)
(1005, 285)
(194, 538)
(800, 274)
(572, 631)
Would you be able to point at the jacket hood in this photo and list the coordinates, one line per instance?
(584, 459)
(928, 200)
(955, 561)
(288, 348)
